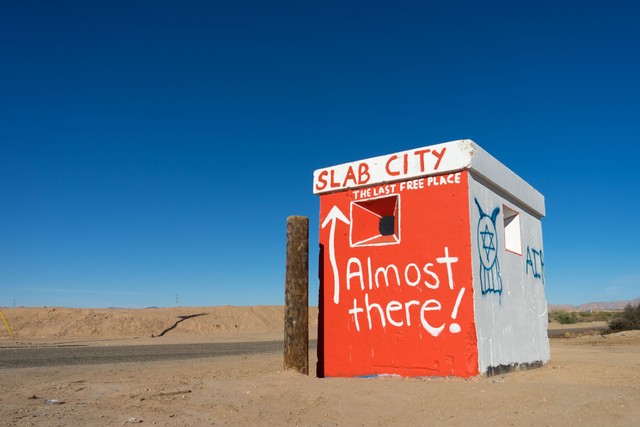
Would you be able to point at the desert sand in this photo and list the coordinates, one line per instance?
(590, 380)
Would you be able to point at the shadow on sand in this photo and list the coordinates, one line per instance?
(182, 319)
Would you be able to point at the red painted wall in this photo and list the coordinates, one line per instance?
(417, 320)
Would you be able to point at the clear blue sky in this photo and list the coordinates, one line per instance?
(150, 149)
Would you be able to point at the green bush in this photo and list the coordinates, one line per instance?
(596, 316)
(567, 317)
(628, 320)
(563, 317)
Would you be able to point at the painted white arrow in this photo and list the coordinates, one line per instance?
(335, 214)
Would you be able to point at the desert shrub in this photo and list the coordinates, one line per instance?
(563, 317)
(627, 320)
(596, 316)
(568, 317)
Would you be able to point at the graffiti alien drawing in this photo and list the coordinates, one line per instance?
(487, 238)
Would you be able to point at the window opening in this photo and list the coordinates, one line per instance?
(375, 222)
(512, 237)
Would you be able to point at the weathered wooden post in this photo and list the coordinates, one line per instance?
(296, 315)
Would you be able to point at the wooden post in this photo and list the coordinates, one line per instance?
(296, 314)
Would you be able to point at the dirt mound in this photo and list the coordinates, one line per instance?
(58, 322)
(618, 338)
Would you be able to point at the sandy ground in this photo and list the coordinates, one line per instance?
(591, 380)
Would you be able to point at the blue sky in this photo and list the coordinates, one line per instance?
(154, 149)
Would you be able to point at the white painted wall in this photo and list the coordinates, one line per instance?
(511, 325)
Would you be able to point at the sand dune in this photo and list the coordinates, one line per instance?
(219, 322)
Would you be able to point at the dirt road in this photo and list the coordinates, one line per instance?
(40, 356)
(591, 381)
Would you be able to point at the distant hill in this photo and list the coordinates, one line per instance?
(609, 305)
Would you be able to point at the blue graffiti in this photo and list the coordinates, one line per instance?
(487, 240)
(535, 263)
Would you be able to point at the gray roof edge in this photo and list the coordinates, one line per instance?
(496, 173)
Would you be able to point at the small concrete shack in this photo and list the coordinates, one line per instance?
(431, 264)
